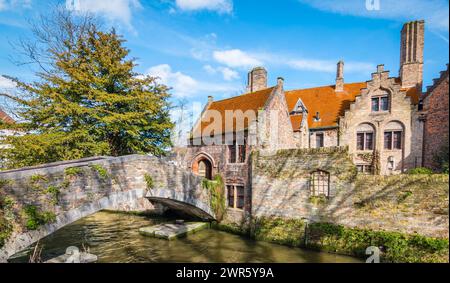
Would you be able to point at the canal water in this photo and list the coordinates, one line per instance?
(114, 238)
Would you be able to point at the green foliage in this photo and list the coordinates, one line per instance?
(318, 200)
(395, 247)
(149, 181)
(88, 102)
(216, 188)
(101, 171)
(73, 171)
(420, 170)
(4, 182)
(36, 178)
(5, 229)
(54, 193)
(34, 218)
(278, 230)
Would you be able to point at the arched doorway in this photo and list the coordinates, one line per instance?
(204, 169)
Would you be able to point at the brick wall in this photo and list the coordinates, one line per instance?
(436, 125)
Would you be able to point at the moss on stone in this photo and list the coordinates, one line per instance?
(73, 171)
(101, 171)
(34, 217)
(149, 181)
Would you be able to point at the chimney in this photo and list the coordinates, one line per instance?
(280, 82)
(257, 79)
(210, 99)
(411, 54)
(340, 77)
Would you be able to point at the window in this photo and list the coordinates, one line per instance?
(365, 137)
(320, 183)
(365, 169)
(380, 103)
(319, 140)
(393, 140)
(237, 152)
(364, 141)
(236, 196)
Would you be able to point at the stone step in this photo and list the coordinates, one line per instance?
(171, 231)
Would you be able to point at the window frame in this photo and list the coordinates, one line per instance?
(320, 189)
(379, 104)
(235, 192)
(364, 133)
(365, 169)
(392, 144)
(235, 151)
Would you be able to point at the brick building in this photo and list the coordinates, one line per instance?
(435, 107)
(378, 120)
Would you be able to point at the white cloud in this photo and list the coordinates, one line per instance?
(114, 10)
(6, 83)
(184, 85)
(236, 58)
(434, 12)
(220, 6)
(11, 4)
(227, 73)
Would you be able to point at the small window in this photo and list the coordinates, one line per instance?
(365, 169)
(230, 190)
(364, 141)
(393, 140)
(237, 152)
(380, 103)
(236, 196)
(319, 140)
(320, 183)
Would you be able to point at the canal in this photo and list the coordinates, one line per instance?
(114, 238)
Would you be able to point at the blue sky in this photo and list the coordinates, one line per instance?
(206, 47)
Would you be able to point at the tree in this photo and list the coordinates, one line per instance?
(88, 100)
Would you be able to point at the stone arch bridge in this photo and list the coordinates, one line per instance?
(75, 189)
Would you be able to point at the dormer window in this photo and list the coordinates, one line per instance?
(299, 108)
(380, 103)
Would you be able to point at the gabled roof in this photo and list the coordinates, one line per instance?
(250, 101)
(5, 117)
(324, 100)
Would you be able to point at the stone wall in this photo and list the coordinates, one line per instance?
(403, 203)
(436, 105)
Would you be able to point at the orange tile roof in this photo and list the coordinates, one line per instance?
(5, 117)
(250, 101)
(324, 100)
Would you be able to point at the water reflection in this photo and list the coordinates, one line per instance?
(114, 237)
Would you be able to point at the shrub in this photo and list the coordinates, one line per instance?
(395, 247)
(420, 170)
(101, 171)
(36, 218)
(73, 171)
(149, 181)
(281, 231)
(216, 188)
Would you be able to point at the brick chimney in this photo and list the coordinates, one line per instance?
(257, 79)
(411, 54)
(340, 77)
